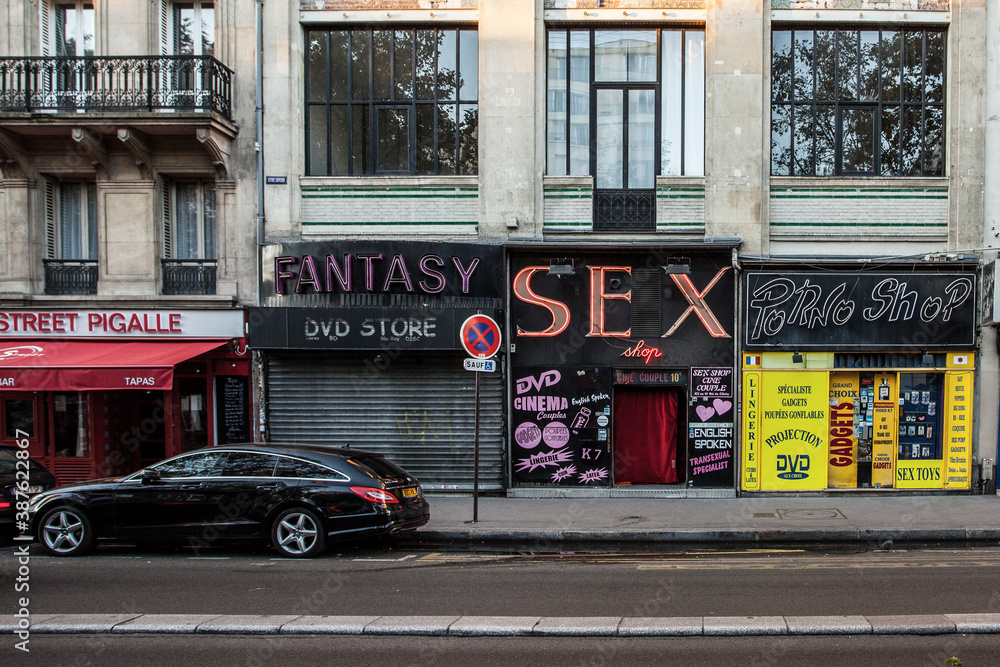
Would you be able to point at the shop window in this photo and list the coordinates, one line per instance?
(855, 102)
(19, 417)
(70, 429)
(639, 115)
(401, 101)
(920, 415)
(194, 415)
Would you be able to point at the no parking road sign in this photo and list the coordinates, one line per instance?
(480, 336)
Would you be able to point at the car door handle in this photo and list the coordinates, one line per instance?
(269, 487)
(191, 487)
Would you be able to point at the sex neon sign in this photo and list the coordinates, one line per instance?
(561, 315)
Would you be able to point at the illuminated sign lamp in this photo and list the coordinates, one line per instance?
(561, 267)
(677, 265)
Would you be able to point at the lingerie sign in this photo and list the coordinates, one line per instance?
(867, 310)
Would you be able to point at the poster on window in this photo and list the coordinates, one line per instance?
(710, 427)
(562, 418)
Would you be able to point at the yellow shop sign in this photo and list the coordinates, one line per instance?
(794, 430)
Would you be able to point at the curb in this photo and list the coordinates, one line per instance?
(506, 626)
(746, 536)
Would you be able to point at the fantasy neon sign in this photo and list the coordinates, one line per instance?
(561, 316)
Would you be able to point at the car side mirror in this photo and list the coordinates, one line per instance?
(150, 476)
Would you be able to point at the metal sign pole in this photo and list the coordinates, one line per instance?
(475, 473)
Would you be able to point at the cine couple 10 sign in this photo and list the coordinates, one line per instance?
(481, 338)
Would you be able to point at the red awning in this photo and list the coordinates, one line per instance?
(49, 365)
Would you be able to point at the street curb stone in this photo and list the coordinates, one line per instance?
(919, 624)
(509, 626)
(828, 625)
(745, 625)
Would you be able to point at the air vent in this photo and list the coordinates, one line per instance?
(646, 303)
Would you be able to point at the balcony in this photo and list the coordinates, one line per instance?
(70, 276)
(189, 276)
(97, 83)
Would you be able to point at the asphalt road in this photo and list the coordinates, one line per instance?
(152, 651)
(382, 580)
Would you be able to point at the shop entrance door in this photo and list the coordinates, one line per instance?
(647, 436)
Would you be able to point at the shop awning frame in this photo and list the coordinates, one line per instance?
(61, 365)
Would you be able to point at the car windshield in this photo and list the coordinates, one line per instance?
(8, 462)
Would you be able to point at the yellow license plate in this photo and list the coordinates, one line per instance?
(410, 493)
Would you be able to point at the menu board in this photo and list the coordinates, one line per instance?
(562, 421)
(232, 400)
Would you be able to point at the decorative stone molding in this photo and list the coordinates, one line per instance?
(92, 145)
(12, 156)
(138, 147)
(219, 148)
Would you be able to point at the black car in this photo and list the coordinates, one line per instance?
(295, 496)
(20, 478)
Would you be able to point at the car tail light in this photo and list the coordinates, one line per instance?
(4, 506)
(375, 495)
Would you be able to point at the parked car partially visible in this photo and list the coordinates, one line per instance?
(298, 498)
(19, 474)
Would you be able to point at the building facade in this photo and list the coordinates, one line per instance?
(743, 244)
(127, 211)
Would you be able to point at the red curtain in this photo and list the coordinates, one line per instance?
(646, 437)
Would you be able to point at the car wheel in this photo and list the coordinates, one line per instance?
(298, 533)
(66, 531)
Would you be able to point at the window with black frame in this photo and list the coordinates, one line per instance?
(857, 102)
(400, 101)
(625, 106)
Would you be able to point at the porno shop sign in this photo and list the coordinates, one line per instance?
(859, 310)
(365, 295)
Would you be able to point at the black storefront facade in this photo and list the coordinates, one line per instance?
(622, 370)
(859, 380)
(359, 345)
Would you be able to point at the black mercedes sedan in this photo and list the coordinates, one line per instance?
(297, 497)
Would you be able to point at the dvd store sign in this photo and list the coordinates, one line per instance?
(153, 323)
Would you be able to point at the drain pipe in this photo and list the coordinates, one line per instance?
(259, 119)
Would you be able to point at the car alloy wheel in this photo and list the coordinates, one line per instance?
(66, 532)
(298, 533)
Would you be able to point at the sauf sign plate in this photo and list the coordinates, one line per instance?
(481, 365)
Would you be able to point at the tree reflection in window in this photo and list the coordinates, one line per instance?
(400, 101)
(857, 102)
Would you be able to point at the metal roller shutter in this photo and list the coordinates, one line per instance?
(418, 410)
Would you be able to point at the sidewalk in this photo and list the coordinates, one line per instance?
(547, 523)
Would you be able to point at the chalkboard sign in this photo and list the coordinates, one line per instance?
(232, 401)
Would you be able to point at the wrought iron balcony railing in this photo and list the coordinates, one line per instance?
(189, 276)
(624, 210)
(178, 83)
(70, 276)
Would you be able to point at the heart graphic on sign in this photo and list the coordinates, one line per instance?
(721, 406)
(704, 412)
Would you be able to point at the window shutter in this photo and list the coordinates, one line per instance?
(165, 45)
(50, 219)
(45, 21)
(168, 223)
